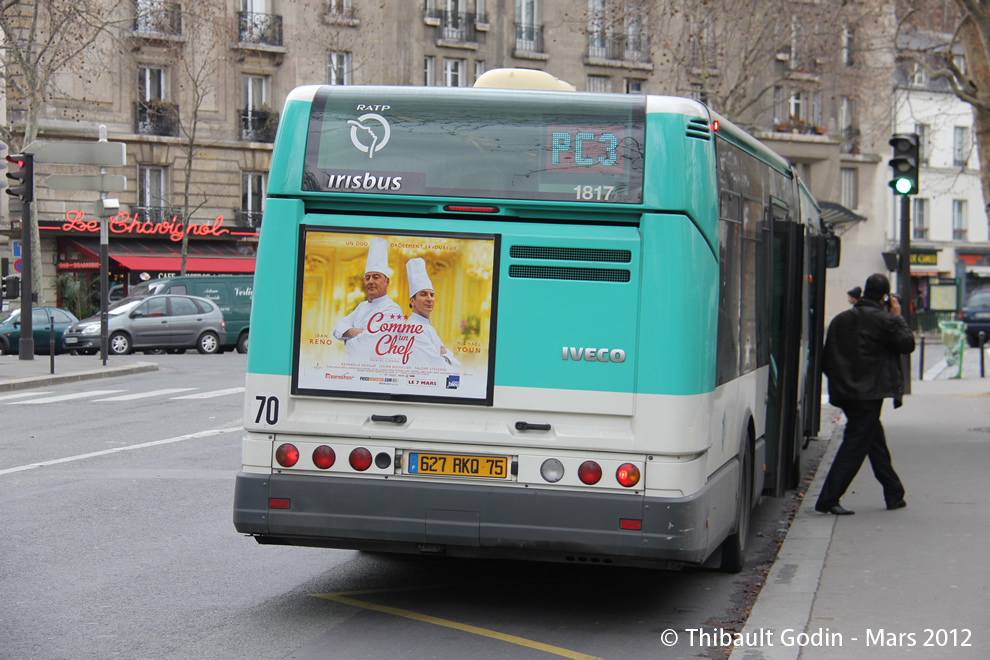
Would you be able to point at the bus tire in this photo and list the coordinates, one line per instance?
(734, 547)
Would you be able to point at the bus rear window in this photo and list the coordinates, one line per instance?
(502, 144)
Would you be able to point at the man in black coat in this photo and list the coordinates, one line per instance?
(862, 360)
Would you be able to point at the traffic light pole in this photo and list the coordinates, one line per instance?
(26, 349)
(904, 281)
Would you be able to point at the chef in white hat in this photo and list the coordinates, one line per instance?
(427, 348)
(352, 328)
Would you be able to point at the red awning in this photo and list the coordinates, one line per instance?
(193, 264)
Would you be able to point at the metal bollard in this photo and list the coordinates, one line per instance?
(983, 338)
(921, 366)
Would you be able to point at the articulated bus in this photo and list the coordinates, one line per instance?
(527, 324)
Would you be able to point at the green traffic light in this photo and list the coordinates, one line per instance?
(903, 185)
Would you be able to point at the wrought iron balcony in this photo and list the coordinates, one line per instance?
(156, 117)
(258, 125)
(635, 48)
(456, 26)
(155, 213)
(159, 18)
(247, 219)
(529, 37)
(261, 29)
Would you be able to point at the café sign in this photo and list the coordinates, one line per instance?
(126, 223)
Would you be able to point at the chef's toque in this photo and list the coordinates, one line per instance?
(418, 279)
(378, 258)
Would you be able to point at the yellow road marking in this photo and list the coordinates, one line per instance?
(512, 639)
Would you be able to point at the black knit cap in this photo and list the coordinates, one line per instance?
(855, 292)
(877, 286)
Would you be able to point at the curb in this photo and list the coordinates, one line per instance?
(788, 594)
(55, 379)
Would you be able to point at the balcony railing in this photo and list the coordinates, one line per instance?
(155, 213)
(258, 125)
(261, 29)
(634, 47)
(529, 37)
(457, 26)
(163, 18)
(156, 117)
(248, 219)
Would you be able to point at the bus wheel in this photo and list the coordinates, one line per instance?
(734, 547)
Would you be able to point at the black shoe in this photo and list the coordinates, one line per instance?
(899, 504)
(835, 511)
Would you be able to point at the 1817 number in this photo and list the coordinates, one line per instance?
(593, 193)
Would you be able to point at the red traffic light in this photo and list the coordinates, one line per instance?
(15, 159)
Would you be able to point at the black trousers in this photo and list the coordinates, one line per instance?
(863, 437)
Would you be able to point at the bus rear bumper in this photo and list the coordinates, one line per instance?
(475, 520)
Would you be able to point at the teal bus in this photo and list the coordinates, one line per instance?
(528, 324)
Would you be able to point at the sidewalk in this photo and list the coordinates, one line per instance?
(17, 374)
(892, 584)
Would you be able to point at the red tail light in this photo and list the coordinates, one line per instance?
(627, 475)
(360, 459)
(590, 473)
(287, 455)
(324, 457)
(278, 503)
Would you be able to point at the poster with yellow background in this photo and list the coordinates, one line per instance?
(396, 315)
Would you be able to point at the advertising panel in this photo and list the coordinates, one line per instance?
(396, 316)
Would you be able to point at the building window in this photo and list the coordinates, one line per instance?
(599, 84)
(429, 71)
(453, 73)
(153, 114)
(779, 106)
(699, 94)
(848, 35)
(849, 177)
(258, 122)
(797, 106)
(924, 147)
(151, 194)
(960, 146)
(920, 219)
(634, 86)
(339, 7)
(339, 68)
(254, 91)
(529, 31)
(253, 186)
(959, 219)
(479, 68)
(153, 84)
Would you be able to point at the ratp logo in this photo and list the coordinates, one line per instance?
(362, 133)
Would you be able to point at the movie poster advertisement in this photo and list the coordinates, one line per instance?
(396, 315)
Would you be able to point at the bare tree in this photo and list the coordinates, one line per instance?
(952, 44)
(42, 39)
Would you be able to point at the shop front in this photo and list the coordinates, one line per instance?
(139, 251)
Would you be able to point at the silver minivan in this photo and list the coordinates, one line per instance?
(154, 323)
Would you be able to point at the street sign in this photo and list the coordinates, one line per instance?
(17, 265)
(105, 154)
(93, 182)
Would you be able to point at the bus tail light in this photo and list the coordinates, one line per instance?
(278, 503)
(627, 475)
(287, 455)
(360, 459)
(629, 523)
(324, 457)
(590, 473)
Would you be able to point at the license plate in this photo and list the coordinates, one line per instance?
(982, 315)
(71, 340)
(456, 465)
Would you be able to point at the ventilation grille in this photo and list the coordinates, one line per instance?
(698, 128)
(570, 254)
(564, 273)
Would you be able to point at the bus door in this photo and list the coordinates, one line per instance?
(784, 433)
(816, 336)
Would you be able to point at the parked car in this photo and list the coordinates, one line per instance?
(976, 315)
(10, 328)
(232, 294)
(152, 323)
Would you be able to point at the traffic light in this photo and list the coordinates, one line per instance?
(11, 287)
(21, 183)
(3, 164)
(905, 163)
